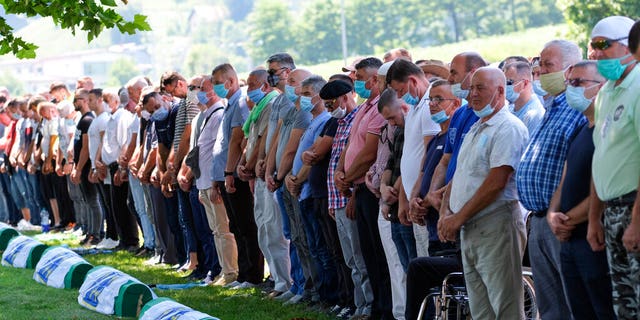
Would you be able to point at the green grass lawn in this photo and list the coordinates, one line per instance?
(23, 298)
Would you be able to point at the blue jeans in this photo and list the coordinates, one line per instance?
(186, 221)
(296, 268)
(171, 211)
(140, 205)
(585, 274)
(326, 267)
(207, 254)
(405, 243)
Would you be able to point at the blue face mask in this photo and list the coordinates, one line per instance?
(409, 99)
(290, 92)
(305, 104)
(440, 117)
(613, 69)
(511, 95)
(202, 98)
(360, 87)
(457, 91)
(576, 99)
(160, 114)
(255, 95)
(487, 110)
(537, 88)
(69, 122)
(220, 90)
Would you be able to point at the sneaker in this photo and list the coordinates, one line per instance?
(244, 285)
(294, 300)
(274, 294)
(108, 244)
(285, 296)
(226, 279)
(232, 284)
(94, 241)
(153, 260)
(24, 225)
(85, 240)
(346, 313)
(209, 279)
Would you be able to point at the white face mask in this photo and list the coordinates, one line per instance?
(339, 112)
(144, 114)
(192, 97)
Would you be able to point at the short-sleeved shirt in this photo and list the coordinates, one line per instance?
(367, 120)
(434, 152)
(115, 136)
(530, 114)
(280, 104)
(318, 174)
(234, 116)
(577, 180)
(206, 140)
(186, 112)
(499, 141)
(306, 141)
(49, 129)
(66, 132)
(616, 169)
(540, 170)
(459, 125)
(258, 129)
(336, 200)
(99, 124)
(417, 125)
(294, 119)
(81, 128)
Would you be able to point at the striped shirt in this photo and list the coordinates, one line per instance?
(540, 168)
(186, 113)
(336, 200)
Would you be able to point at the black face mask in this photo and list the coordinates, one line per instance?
(273, 80)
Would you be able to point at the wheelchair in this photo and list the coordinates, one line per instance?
(452, 303)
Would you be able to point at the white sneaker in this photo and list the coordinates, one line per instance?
(244, 285)
(108, 244)
(233, 284)
(24, 225)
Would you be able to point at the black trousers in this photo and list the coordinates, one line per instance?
(367, 211)
(125, 220)
(423, 274)
(242, 224)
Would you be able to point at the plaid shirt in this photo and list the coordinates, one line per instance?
(540, 168)
(336, 200)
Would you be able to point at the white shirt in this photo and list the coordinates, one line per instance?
(49, 129)
(417, 125)
(66, 133)
(115, 136)
(206, 140)
(499, 141)
(99, 124)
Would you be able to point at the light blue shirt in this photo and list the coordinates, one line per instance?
(307, 140)
(234, 116)
(530, 114)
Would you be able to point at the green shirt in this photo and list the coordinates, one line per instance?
(616, 161)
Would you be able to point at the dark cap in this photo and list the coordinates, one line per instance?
(335, 89)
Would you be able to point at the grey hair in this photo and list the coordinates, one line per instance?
(316, 83)
(283, 59)
(571, 53)
(138, 81)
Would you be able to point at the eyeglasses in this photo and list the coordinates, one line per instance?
(512, 82)
(272, 71)
(329, 104)
(605, 43)
(193, 87)
(438, 100)
(577, 82)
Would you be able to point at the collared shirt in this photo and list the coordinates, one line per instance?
(206, 140)
(186, 112)
(499, 141)
(530, 114)
(368, 120)
(459, 125)
(234, 116)
(417, 125)
(257, 129)
(306, 141)
(294, 119)
(115, 136)
(99, 124)
(336, 200)
(281, 104)
(541, 166)
(616, 160)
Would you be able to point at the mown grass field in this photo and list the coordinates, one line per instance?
(22, 298)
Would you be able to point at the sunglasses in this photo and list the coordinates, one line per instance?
(512, 82)
(438, 100)
(577, 82)
(329, 104)
(272, 71)
(605, 43)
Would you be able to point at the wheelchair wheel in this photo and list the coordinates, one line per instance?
(530, 303)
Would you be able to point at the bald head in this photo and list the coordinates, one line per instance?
(296, 77)
(487, 87)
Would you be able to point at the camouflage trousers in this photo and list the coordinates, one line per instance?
(625, 266)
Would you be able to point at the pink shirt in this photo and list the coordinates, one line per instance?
(368, 120)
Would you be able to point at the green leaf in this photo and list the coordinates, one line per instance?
(109, 3)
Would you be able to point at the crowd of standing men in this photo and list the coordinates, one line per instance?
(359, 204)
